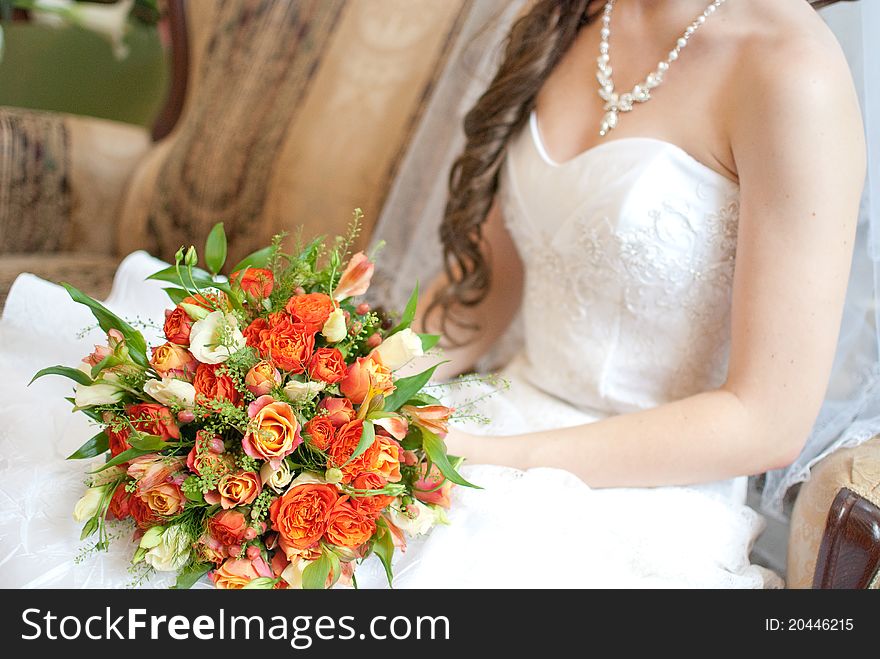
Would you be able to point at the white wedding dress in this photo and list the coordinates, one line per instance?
(629, 256)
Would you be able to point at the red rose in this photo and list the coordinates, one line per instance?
(256, 282)
(328, 365)
(177, 326)
(118, 439)
(142, 513)
(210, 384)
(228, 527)
(153, 419)
(313, 309)
(322, 432)
(119, 503)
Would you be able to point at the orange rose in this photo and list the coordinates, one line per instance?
(262, 378)
(301, 515)
(143, 515)
(253, 332)
(177, 326)
(376, 503)
(276, 432)
(172, 360)
(237, 489)
(321, 432)
(237, 573)
(311, 309)
(118, 439)
(350, 524)
(364, 374)
(228, 527)
(153, 419)
(344, 445)
(387, 462)
(327, 365)
(166, 499)
(288, 345)
(119, 503)
(339, 410)
(256, 282)
(213, 385)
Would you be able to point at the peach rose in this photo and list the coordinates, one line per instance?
(387, 463)
(213, 384)
(172, 360)
(115, 340)
(431, 417)
(327, 365)
(432, 487)
(339, 410)
(208, 455)
(350, 524)
(256, 282)
(236, 573)
(153, 419)
(312, 309)
(276, 431)
(321, 432)
(177, 326)
(262, 378)
(166, 499)
(363, 375)
(343, 446)
(236, 489)
(210, 550)
(355, 279)
(301, 515)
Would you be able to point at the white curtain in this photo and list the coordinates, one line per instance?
(414, 208)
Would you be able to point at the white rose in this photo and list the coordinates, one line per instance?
(307, 478)
(104, 393)
(214, 338)
(89, 505)
(334, 329)
(277, 479)
(171, 390)
(302, 391)
(171, 552)
(400, 348)
(416, 518)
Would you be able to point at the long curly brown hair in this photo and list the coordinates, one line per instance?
(535, 44)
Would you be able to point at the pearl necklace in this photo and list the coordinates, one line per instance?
(617, 103)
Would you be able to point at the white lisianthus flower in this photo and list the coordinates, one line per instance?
(171, 552)
(415, 518)
(302, 391)
(103, 393)
(307, 478)
(334, 329)
(400, 348)
(171, 390)
(215, 338)
(90, 503)
(277, 479)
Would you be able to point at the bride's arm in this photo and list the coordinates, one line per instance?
(493, 315)
(796, 137)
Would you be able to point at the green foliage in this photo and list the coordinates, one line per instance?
(436, 451)
(95, 446)
(74, 374)
(405, 388)
(215, 249)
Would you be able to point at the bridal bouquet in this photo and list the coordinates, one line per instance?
(266, 442)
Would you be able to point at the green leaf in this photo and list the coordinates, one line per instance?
(436, 450)
(409, 313)
(125, 456)
(260, 583)
(90, 527)
(405, 388)
(413, 439)
(368, 436)
(187, 577)
(383, 547)
(335, 567)
(421, 399)
(134, 340)
(201, 278)
(65, 371)
(316, 573)
(429, 341)
(215, 248)
(147, 443)
(95, 446)
(177, 295)
(256, 259)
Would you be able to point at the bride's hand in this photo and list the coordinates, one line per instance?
(461, 443)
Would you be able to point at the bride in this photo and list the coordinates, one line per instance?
(677, 237)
